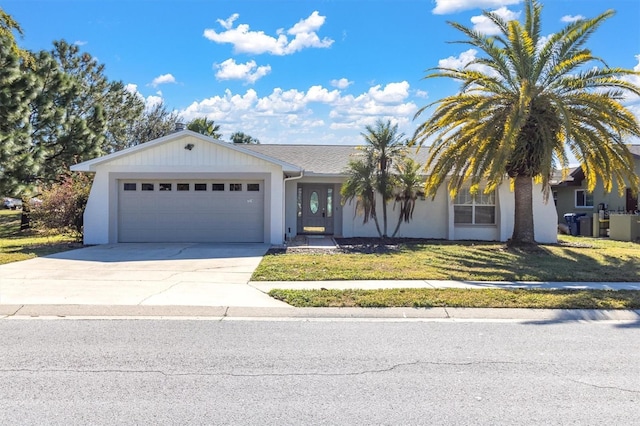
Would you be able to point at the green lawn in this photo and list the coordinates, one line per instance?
(573, 259)
(463, 298)
(18, 245)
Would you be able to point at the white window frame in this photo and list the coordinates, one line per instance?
(464, 198)
(586, 197)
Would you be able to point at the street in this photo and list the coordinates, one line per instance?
(277, 372)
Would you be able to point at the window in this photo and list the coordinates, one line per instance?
(474, 209)
(147, 187)
(130, 187)
(217, 187)
(182, 186)
(200, 187)
(235, 187)
(164, 187)
(583, 198)
(253, 187)
(299, 201)
(329, 202)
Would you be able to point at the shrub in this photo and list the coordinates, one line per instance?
(62, 204)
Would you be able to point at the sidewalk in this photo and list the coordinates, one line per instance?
(198, 305)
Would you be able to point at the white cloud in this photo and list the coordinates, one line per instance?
(422, 94)
(257, 42)
(463, 61)
(80, 42)
(152, 101)
(569, 18)
(444, 7)
(132, 88)
(163, 79)
(341, 84)
(317, 115)
(484, 25)
(228, 23)
(249, 71)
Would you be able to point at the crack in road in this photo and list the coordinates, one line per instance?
(604, 387)
(249, 375)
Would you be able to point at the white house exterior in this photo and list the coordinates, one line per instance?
(186, 187)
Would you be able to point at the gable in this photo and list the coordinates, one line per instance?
(185, 149)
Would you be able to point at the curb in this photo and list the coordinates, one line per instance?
(399, 314)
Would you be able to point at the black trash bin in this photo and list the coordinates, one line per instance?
(573, 221)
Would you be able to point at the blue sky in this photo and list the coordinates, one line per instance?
(304, 71)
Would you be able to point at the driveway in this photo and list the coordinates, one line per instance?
(139, 274)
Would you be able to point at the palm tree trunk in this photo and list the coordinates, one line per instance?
(395, 231)
(523, 231)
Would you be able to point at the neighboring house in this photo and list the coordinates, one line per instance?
(186, 187)
(571, 196)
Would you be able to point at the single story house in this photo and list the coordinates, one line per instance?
(570, 194)
(186, 187)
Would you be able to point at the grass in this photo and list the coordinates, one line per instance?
(16, 245)
(467, 298)
(572, 259)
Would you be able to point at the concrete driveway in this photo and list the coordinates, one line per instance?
(139, 274)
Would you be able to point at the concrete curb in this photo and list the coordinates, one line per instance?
(400, 314)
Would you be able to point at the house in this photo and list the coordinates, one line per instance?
(186, 187)
(571, 196)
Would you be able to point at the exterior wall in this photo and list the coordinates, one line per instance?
(172, 161)
(430, 220)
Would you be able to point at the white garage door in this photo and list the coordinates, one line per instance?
(190, 211)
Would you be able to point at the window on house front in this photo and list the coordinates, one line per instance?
(474, 209)
(235, 187)
(583, 198)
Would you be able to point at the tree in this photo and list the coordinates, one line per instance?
(371, 174)
(241, 138)
(409, 186)
(361, 186)
(386, 145)
(154, 123)
(7, 26)
(522, 107)
(205, 126)
(17, 90)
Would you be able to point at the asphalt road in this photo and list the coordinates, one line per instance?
(271, 372)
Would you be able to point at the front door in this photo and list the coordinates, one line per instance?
(632, 202)
(317, 209)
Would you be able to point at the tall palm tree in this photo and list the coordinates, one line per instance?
(409, 186)
(361, 186)
(205, 126)
(385, 145)
(522, 107)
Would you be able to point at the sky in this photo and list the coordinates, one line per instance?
(303, 71)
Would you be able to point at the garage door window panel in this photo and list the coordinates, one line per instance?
(147, 187)
(165, 187)
(217, 187)
(182, 186)
(200, 187)
(235, 187)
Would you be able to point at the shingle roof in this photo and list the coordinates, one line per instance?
(320, 159)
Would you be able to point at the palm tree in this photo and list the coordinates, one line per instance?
(361, 186)
(409, 186)
(241, 138)
(205, 126)
(385, 145)
(523, 107)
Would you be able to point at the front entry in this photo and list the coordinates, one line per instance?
(315, 209)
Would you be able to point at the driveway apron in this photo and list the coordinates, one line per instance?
(181, 274)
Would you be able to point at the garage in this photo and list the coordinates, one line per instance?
(190, 210)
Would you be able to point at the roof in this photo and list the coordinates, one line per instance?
(321, 159)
